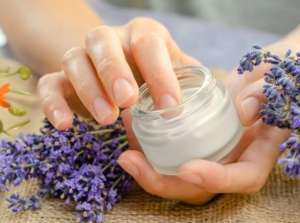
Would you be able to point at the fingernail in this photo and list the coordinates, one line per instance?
(129, 167)
(102, 108)
(190, 177)
(58, 117)
(166, 101)
(122, 90)
(250, 108)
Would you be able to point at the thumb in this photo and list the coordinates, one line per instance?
(248, 102)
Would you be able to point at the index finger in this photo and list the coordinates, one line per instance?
(149, 46)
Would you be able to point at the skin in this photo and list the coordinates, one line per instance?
(145, 52)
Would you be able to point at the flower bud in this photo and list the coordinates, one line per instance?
(17, 111)
(24, 73)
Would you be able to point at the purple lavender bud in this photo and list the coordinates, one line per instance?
(35, 202)
(288, 53)
(258, 47)
(282, 161)
(88, 137)
(275, 57)
(295, 72)
(240, 70)
(246, 63)
(275, 62)
(290, 65)
(17, 203)
(270, 91)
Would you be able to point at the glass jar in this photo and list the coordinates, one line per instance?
(208, 126)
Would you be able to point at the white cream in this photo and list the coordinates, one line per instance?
(208, 127)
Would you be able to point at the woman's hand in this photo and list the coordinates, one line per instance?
(244, 170)
(105, 75)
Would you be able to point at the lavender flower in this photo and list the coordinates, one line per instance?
(77, 165)
(282, 90)
(19, 204)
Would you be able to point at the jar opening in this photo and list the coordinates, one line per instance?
(196, 84)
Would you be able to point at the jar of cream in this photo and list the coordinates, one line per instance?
(207, 127)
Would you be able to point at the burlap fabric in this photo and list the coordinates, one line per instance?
(278, 201)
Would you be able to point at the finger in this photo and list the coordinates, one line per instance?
(81, 73)
(247, 176)
(105, 50)
(248, 102)
(127, 120)
(171, 187)
(149, 46)
(51, 91)
(236, 83)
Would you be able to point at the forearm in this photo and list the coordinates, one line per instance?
(40, 32)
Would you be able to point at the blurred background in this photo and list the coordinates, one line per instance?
(215, 32)
(275, 16)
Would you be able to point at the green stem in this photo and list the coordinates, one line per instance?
(19, 92)
(31, 165)
(119, 147)
(116, 182)
(294, 156)
(18, 125)
(10, 135)
(45, 196)
(111, 155)
(9, 74)
(123, 137)
(100, 132)
(4, 71)
(114, 185)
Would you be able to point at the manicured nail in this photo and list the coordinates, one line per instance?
(166, 101)
(58, 117)
(190, 177)
(129, 167)
(250, 108)
(122, 90)
(102, 108)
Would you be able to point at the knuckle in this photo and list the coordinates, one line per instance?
(106, 68)
(224, 186)
(155, 189)
(159, 78)
(255, 187)
(226, 182)
(96, 34)
(69, 57)
(143, 20)
(43, 81)
(47, 103)
(83, 87)
(145, 40)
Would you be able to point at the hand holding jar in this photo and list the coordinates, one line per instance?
(106, 75)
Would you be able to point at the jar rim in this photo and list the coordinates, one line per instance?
(208, 82)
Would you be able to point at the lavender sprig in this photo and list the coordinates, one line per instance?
(19, 204)
(77, 165)
(282, 90)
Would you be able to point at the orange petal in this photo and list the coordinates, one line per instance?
(5, 88)
(4, 104)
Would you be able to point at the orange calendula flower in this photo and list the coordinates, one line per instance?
(3, 90)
